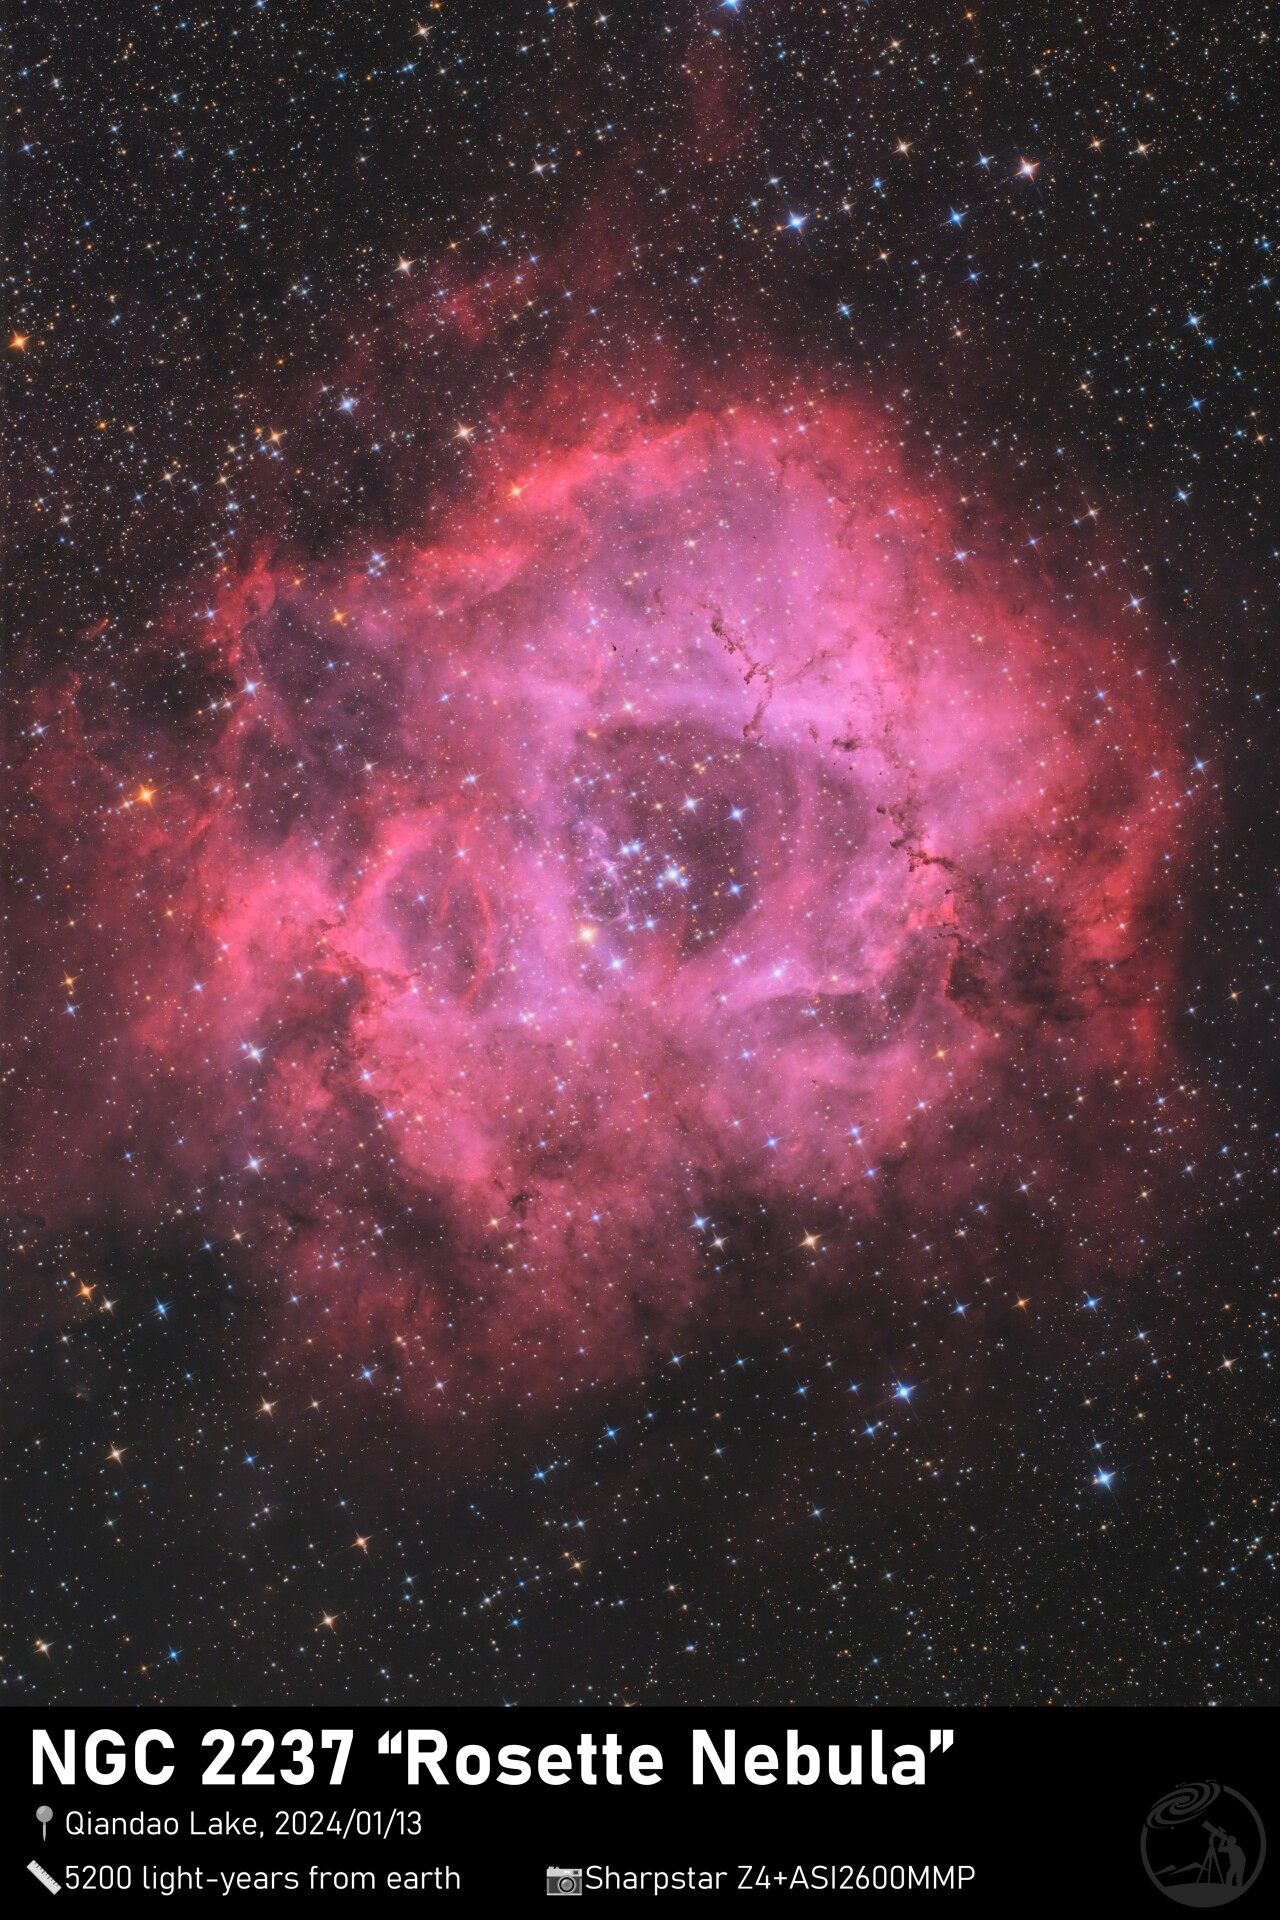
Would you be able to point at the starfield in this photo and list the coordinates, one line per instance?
(640, 854)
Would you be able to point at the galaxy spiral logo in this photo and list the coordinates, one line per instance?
(1203, 1844)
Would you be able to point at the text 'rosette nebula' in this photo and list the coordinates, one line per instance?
(703, 823)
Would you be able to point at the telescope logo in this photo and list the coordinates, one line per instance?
(1203, 1844)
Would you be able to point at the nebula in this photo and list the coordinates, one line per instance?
(701, 819)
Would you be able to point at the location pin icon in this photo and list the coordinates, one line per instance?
(44, 1815)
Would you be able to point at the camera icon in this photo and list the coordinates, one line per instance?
(564, 1879)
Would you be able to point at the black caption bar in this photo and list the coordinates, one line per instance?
(977, 1806)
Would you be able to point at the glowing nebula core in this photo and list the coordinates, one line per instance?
(702, 818)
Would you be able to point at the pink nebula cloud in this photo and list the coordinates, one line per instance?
(704, 816)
